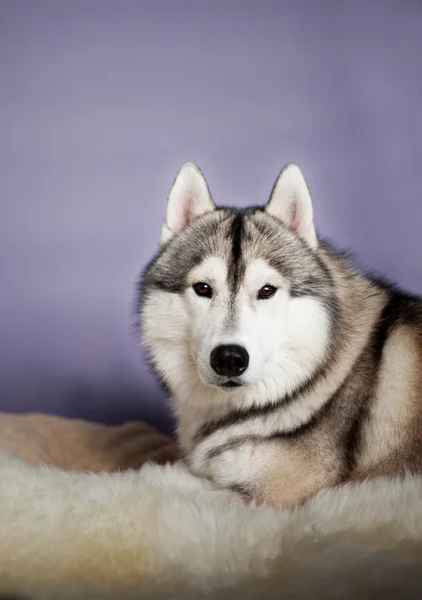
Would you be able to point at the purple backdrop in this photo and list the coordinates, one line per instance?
(100, 103)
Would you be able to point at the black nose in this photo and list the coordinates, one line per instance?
(230, 360)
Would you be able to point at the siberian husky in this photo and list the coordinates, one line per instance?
(289, 369)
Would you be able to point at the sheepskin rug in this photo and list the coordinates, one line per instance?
(161, 533)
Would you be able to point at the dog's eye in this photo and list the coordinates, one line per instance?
(202, 289)
(266, 292)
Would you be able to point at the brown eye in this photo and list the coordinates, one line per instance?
(266, 292)
(202, 289)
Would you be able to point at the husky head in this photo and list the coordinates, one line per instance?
(237, 300)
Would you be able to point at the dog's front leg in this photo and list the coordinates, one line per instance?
(274, 473)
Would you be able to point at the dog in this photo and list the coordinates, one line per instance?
(289, 368)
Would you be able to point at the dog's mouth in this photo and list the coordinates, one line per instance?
(231, 384)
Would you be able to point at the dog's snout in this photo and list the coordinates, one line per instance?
(229, 360)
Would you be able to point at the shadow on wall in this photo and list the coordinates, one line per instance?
(116, 403)
(111, 401)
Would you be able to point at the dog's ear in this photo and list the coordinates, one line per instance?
(291, 202)
(189, 198)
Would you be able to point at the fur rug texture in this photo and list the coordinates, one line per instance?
(158, 532)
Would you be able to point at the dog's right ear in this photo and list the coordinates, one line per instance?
(189, 198)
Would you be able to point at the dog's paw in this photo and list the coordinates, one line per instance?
(176, 476)
(178, 479)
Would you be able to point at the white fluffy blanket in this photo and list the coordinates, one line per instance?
(160, 533)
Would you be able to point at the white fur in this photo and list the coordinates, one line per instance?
(161, 530)
(285, 338)
(189, 198)
(291, 202)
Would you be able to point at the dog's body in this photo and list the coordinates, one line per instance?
(289, 369)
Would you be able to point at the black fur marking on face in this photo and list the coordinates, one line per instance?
(236, 265)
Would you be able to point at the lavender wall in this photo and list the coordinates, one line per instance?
(100, 103)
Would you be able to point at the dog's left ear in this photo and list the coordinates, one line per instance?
(291, 202)
(189, 198)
